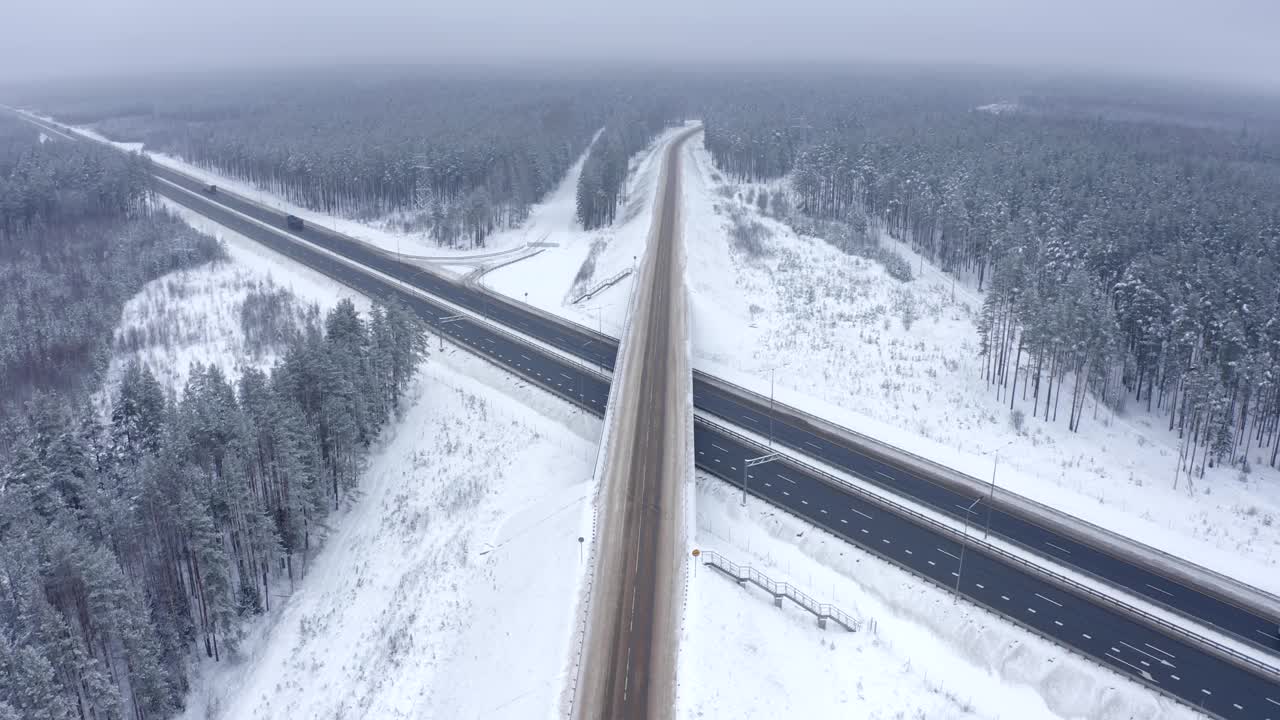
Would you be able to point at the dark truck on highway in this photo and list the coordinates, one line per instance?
(293, 222)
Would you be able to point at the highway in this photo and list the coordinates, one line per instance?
(793, 429)
(633, 628)
(1197, 678)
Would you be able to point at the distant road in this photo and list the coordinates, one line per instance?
(1198, 678)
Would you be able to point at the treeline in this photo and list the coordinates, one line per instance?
(1127, 254)
(79, 235)
(602, 185)
(457, 156)
(128, 540)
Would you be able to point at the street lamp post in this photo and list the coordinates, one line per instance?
(445, 321)
(772, 370)
(750, 463)
(963, 544)
(991, 498)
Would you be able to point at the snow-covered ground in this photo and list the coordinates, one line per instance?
(194, 315)
(919, 653)
(448, 586)
(550, 279)
(899, 361)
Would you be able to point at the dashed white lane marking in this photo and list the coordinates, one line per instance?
(1162, 661)
(1055, 602)
(910, 553)
(864, 531)
(824, 512)
(886, 476)
(981, 586)
(933, 563)
(526, 357)
(1273, 702)
(1004, 597)
(812, 444)
(1237, 706)
(784, 492)
(861, 513)
(1159, 590)
(719, 448)
(566, 375)
(1032, 610)
(1058, 623)
(1057, 547)
(1162, 652)
(806, 502)
(752, 419)
(784, 477)
(1175, 677)
(1086, 636)
(1268, 636)
(885, 541)
(846, 522)
(1206, 692)
(944, 552)
(1139, 670)
(768, 484)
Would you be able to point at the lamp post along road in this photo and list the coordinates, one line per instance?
(445, 321)
(752, 462)
(964, 544)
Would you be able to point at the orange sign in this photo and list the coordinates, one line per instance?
(696, 552)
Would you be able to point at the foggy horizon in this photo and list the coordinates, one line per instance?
(1224, 44)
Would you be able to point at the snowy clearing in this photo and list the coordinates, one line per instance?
(194, 315)
(927, 656)
(464, 529)
(899, 361)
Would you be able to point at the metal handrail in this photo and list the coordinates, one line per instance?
(746, 573)
(977, 545)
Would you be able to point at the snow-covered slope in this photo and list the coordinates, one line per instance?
(919, 654)
(899, 361)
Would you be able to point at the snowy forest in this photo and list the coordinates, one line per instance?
(457, 156)
(1127, 240)
(603, 182)
(132, 537)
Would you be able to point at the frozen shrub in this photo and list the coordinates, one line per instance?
(1019, 420)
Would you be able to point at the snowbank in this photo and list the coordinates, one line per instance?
(899, 361)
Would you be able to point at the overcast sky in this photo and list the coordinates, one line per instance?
(1233, 41)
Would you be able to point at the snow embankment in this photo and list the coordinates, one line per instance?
(446, 588)
(899, 361)
(919, 653)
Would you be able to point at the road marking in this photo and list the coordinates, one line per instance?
(1032, 610)
(1273, 702)
(1086, 636)
(784, 492)
(1237, 706)
(910, 553)
(846, 522)
(813, 445)
(1055, 602)
(1268, 636)
(933, 563)
(1057, 547)
(885, 541)
(700, 452)
(733, 468)
(768, 485)
(566, 375)
(967, 509)
(806, 502)
(1004, 597)
(1140, 671)
(1163, 652)
(1175, 677)
(955, 574)
(1206, 692)
(884, 475)
(719, 448)
(861, 513)
(981, 586)
(1153, 587)
(944, 552)
(717, 460)
(1058, 623)
(784, 477)
(824, 512)
(864, 531)
(1162, 661)
(748, 417)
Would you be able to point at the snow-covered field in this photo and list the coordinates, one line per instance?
(919, 653)
(448, 586)
(899, 361)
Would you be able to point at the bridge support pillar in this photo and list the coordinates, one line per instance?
(822, 623)
(777, 601)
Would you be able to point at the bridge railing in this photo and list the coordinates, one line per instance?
(746, 574)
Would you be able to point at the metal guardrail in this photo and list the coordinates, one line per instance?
(746, 574)
(1011, 499)
(975, 544)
